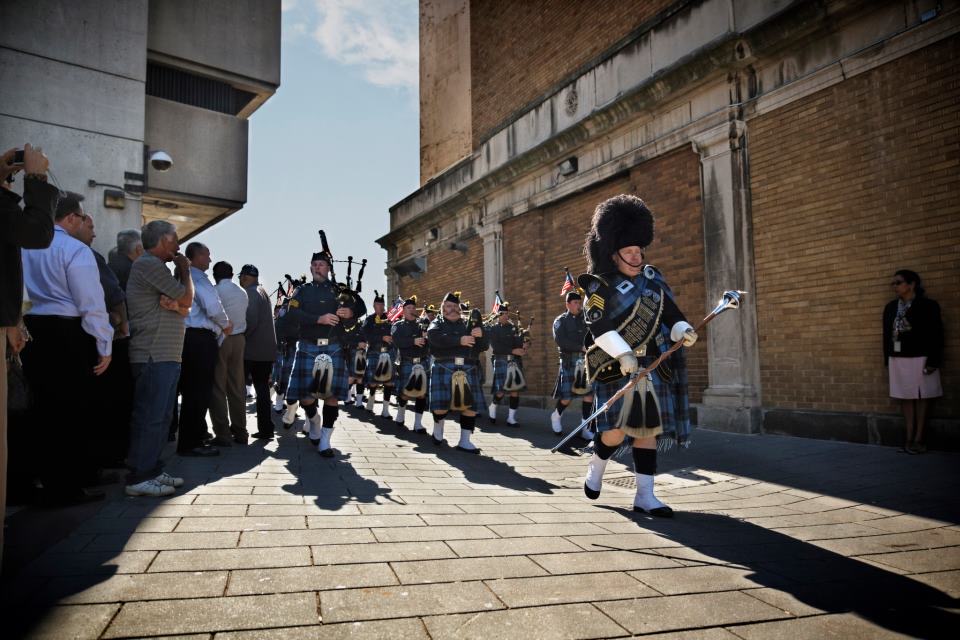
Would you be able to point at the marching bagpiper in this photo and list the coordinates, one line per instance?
(455, 375)
(357, 365)
(410, 339)
(288, 332)
(569, 331)
(627, 307)
(380, 370)
(320, 367)
(508, 348)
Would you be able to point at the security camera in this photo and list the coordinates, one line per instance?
(161, 160)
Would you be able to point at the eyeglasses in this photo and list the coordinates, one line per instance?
(897, 283)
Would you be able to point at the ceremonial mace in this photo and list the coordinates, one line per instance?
(730, 300)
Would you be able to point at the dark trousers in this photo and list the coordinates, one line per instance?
(114, 399)
(196, 384)
(58, 364)
(260, 372)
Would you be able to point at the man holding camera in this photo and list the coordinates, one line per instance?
(30, 227)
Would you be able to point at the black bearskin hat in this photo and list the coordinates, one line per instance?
(453, 296)
(621, 221)
(412, 300)
(377, 296)
(322, 255)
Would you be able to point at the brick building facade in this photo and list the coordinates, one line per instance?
(801, 151)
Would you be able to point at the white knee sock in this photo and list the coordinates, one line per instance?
(492, 410)
(370, 400)
(465, 440)
(595, 470)
(512, 416)
(417, 421)
(645, 498)
(325, 434)
(401, 414)
(290, 416)
(438, 429)
(315, 423)
(555, 422)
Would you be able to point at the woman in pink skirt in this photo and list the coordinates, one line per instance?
(913, 350)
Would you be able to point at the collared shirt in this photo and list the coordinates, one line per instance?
(63, 280)
(156, 334)
(207, 310)
(235, 301)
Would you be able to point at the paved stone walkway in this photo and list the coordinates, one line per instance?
(774, 537)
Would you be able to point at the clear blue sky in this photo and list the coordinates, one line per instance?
(335, 147)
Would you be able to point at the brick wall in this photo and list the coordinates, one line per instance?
(849, 185)
(520, 50)
(449, 271)
(539, 244)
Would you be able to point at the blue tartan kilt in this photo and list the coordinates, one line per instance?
(441, 391)
(608, 419)
(372, 358)
(406, 368)
(500, 374)
(563, 390)
(301, 373)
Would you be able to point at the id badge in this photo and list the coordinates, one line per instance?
(896, 346)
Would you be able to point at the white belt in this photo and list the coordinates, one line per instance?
(323, 342)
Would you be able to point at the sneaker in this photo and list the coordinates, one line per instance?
(149, 488)
(169, 480)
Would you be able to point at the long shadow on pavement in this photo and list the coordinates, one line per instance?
(819, 578)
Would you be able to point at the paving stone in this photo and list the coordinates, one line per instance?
(456, 570)
(364, 522)
(514, 508)
(250, 499)
(830, 531)
(82, 621)
(393, 509)
(406, 601)
(596, 516)
(107, 562)
(220, 489)
(597, 561)
(216, 559)
(262, 523)
(551, 529)
(257, 510)
(905, 524)
(128, 525)
(699, 579)
(262, 581)
(437, 532)
(296, 538)
(368, 630)
(844, 626)
(185, 511)
(466, 519)
(649, 615)
(796, 602)
(584, 587)
(712, 633)
(380, 552)
(622, 541)
(213, 614)
(511, 547)
(922, 561)
(915, 540)
(562, 622)
(128, 587)
(946, 581)
(165, 541)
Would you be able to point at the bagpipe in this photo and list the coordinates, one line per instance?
(384, 371)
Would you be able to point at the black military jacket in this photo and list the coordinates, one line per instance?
(444, 338)
(569, 331)
(404, 332)
(309, 302)
(374, 329)
(504, 338)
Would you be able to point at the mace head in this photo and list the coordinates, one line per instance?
(729, 300)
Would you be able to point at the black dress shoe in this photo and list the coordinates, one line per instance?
(659, 512)
(465, 450)
(593, 494)
(264, 435)
(200, 452)
(438, 443)
(327, 453)
(240, 440)
(316, 442)
(420, 430)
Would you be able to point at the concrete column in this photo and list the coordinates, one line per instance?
(731, 402)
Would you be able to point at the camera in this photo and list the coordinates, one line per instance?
(17, 157)
(161, 160)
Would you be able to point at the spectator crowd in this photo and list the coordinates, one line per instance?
(99, 348)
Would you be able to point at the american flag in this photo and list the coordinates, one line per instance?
(568, 283)
(497, 301)
(396, 310)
